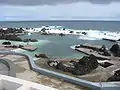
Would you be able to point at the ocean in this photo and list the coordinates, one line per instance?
(60, 46)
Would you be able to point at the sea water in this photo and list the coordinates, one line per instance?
(60, 46)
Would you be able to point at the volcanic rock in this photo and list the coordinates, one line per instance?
(6, 43)
(115, 49)
(40, 55)
(83, 66)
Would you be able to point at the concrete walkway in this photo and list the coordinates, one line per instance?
(92, 85)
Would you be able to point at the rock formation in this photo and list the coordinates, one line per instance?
(6, 43)
(11, 34)
(115, 49)
(104, 51)
(30, 40)
(40, 55)
(83, 66)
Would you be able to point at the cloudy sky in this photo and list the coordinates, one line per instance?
(59, 10)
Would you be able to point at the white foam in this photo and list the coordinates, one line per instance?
(18, 50)
(91, 34)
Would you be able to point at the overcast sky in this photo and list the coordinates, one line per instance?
(59, 10)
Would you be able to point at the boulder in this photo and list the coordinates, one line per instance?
(14, 46)
(33, 40)
(40, 55)
(61, 34)
(115, 49)
(84, 33)
(6, 43)
(78, 46)
(71, 32)
(20, 46)
(118, 40)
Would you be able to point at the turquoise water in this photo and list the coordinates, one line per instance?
(60, 46)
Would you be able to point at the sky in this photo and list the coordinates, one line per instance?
(19, 10)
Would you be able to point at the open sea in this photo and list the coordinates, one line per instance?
(60, 46)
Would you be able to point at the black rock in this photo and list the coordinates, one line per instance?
(71, 32)
(20, 46)
(118, 40)
(85, 33)
(6, 43)
(115, 49)
(61, 34)
(40, 55)
(84, 66)
(104, 51)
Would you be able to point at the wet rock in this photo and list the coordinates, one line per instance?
(84, 33)
(6, 43)
(115, 77)
(40, 55)
(71, 32)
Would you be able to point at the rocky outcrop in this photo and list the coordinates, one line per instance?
(115, 49)
(6, 43)
(10, 37)
(83, 66)
(118, 40)
(30, 40)
(40, 55)
(12, 46)
(61, 34)
(11, 34)
(111, 40)
(20, 46)
(90, 46)
(84, 33)
(104, 51)
(115, 77)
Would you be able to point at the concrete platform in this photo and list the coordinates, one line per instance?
(29, 47)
